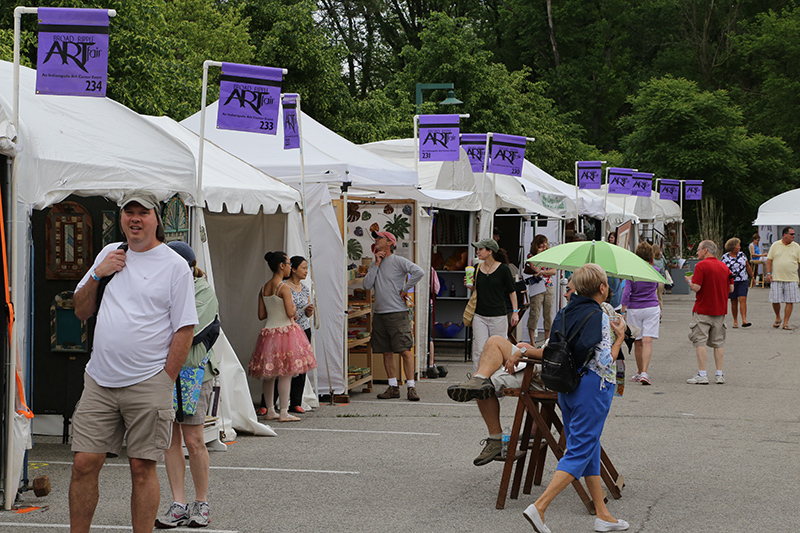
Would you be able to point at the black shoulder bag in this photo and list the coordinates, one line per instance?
(558, 366)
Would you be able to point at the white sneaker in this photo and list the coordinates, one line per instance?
(720, 379)
(698, 380)
(602, 525)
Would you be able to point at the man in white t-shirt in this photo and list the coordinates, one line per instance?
(145, 325)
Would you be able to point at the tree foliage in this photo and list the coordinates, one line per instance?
(575, 75)
(679, 131)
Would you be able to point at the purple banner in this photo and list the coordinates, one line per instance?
(670, 190)
(642, 184)
(291, 133)
(438, 138)
(693, 190)
(590, 175)
(619, 180)
(474, 145)
(507, 154)
(248, 98)
(73, 52)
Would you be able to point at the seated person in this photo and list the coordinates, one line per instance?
(499, 368)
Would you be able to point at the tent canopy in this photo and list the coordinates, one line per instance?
(230, 182)
(781, 210)
(88, 146)
(646, 208)
(328, 156)
(458, 174)
(435, 177)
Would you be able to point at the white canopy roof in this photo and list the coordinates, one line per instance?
(57, 147)
(328, 156)
(781, 210)
(590, 204)
(438, 176)
(228, 181)
(646, 208)
(458, 174)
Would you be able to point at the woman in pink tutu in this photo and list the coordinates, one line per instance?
(282, 349)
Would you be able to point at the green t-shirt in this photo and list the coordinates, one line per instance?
(492, 290)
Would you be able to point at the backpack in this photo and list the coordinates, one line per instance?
(558, 366)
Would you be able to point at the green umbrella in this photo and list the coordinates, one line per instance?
(616, 261)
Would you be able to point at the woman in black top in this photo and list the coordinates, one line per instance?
(493, 281)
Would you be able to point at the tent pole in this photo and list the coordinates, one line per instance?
(308, 241)
(345, 353)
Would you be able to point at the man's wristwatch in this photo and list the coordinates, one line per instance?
(523, 350)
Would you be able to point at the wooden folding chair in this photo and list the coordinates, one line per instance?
(536, 412)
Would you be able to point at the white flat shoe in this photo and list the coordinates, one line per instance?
(602, 525)
(532, 515)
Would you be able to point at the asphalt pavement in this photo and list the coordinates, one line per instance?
(695, 458)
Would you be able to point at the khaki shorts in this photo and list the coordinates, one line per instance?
(202, 406)
(391, 332)
(144, 410)
(503, 380)
(708, 330)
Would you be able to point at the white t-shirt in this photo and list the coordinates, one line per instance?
(145, 303)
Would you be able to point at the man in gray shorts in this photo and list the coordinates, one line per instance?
(144, 330)
(392, 277)
(497, 370)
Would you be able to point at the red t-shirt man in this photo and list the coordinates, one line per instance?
(714, 279)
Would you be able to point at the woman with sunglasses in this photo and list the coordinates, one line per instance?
(282, 349)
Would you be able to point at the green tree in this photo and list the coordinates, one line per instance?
(678, 131)
(285, 35)
(496, 99)
(766, 79)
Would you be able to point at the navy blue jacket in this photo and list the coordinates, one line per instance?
(592, 333)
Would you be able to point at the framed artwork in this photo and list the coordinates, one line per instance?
(176, 220)
(68, 334)
(68, 241)
(624, 236)
(109, 228)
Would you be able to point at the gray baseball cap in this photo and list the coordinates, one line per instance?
(146, 199)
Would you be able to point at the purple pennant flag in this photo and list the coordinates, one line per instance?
(248, 98)
(438, 138)
(619, 180)
(507, 154)
(73, 52)
(590, 175)
(642, 184)
(291, 133)
(475, 146)
(670, 190)
(693, 190)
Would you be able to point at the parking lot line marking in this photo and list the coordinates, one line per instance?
(361, 431)
(260, 469)
(18, 525)
(419, 404)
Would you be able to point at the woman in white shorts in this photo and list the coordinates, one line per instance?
(642, 306)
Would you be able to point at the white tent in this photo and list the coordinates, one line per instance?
(433, 175)
(328, 159)
(646, 208)
(85, 146)
(254, 210)
(589, 203)
(781, 210)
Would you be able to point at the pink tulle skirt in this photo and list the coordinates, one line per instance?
(283, 351)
